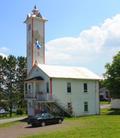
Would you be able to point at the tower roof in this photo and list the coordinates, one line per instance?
(35, 13)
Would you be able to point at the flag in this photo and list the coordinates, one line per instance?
(37, 44)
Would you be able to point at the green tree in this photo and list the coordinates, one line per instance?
(3, 97)
(1, 80)
(10, 81)
(12, 75)
(112, 76)
(21, 75)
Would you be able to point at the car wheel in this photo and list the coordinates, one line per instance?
(43, 124)
(59, 121)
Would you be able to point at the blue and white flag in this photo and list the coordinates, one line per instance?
(37, 44)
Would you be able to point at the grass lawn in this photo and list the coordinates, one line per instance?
(13, 116)
(4, 125)
(104, 102)
(106, 125)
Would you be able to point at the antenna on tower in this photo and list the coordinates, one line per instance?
(35, 7)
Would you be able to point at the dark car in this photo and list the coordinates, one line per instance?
(44, 119)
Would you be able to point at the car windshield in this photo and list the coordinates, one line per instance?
(43, 115)
(38, 115)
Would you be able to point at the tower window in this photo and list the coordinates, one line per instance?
(85, 87)
(69, 87)
(85, 106)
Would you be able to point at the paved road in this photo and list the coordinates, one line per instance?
(11, 120)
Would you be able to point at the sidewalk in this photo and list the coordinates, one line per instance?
(2, 121)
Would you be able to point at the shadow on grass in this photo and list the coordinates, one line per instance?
(113, 112)
(24, 120)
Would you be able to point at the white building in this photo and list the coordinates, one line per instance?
(57, 89)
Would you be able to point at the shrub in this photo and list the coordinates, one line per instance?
(19, 111)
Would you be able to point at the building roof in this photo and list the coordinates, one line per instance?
(54, 71)
(35, 13)
(35, 78)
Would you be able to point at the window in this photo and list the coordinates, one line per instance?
(70, 107)
(85, 87)
(47, 87)
(69, 87)
(86, 106)
(29, 88)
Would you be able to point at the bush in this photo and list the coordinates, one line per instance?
(19, 112)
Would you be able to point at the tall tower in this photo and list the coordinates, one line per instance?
(35, 28)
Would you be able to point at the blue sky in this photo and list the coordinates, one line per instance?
(78, 32)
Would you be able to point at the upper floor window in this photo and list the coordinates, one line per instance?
(85, 87)
(69, 87)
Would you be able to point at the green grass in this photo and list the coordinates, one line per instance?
(104, 102)
(110, 112)
(106, 125)
(13, 123)
(4, 125)
(14, 115)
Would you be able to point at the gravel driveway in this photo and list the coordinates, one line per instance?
(23, 129)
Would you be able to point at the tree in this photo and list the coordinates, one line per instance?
(1, 80)
(21, 75)
(112, 76)
(12, 75)
(3, 96)
(10, 81)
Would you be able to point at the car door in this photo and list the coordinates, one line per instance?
(50, 119)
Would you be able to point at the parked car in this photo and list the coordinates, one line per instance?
(44, 119)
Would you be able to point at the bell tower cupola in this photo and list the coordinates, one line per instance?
(35, 41)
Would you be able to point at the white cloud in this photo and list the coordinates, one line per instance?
(94, 46)
(4, 51)
(3, 55)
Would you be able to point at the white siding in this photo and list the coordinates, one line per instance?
(41, 87)
(77, 96)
